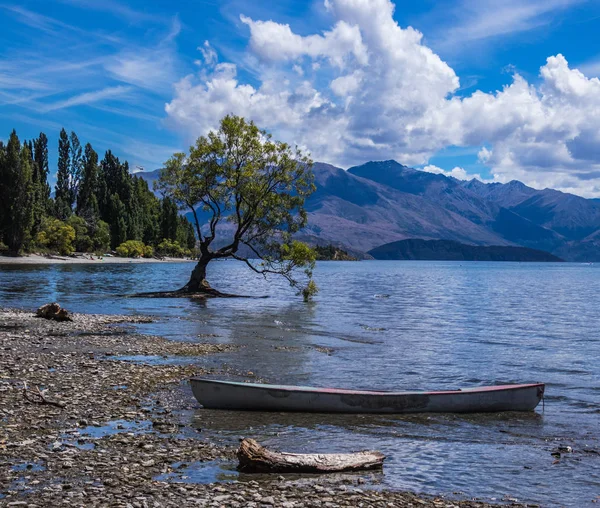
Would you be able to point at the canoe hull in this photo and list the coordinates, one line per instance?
(258, 397)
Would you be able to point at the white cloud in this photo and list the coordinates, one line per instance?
(456, 172)
(275, 42)
(88, 98)
(151, 67)
(375, 91)
(486, 19)
(208, 53)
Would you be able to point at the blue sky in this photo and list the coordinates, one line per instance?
(347, 80)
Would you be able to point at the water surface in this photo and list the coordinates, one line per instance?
(390, 325)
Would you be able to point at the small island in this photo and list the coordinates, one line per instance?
(448, 250)
(333, 253)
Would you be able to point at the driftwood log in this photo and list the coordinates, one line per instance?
(254, 458)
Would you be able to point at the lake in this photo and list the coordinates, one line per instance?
(389, 325)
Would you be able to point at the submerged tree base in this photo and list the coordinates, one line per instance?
(202, 294)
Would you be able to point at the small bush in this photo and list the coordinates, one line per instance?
(56, 236)
(148, 251)
(134, 249)
(310, 290)
(172, 248)
(101, 237)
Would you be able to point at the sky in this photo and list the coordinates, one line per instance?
(495, 90)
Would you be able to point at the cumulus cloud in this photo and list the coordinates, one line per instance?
(370, 89)
(456, 172)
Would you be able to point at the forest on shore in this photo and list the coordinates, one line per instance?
(97, 206)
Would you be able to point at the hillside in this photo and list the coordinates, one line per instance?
(446, 250)
(383, 201)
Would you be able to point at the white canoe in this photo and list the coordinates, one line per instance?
(262, 397)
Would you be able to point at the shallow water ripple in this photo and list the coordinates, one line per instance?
(390, 325)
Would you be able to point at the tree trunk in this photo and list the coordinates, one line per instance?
(198, 282)
(254, 458)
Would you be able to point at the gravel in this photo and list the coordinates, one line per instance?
(97, 431)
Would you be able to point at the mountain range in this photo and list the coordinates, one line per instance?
(380, 202)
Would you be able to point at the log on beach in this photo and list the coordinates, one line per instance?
(254, 458)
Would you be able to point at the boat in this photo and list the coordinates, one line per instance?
(214, 394)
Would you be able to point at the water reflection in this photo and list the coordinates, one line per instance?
(389, 325)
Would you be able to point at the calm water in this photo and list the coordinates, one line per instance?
(391, 325)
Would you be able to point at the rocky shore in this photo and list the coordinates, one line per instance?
(81, 427)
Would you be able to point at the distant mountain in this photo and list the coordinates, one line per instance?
(506, 195)
(383, 201)
(450, 194)
(362, 213)
(149, 176)
(446, 250)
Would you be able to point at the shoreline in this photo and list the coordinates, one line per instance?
(118, 432)
(38, 259)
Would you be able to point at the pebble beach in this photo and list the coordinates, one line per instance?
(80, 427)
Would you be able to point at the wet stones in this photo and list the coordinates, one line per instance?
(129, 446)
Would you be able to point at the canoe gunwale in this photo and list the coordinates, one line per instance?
(230, 395)
(341, 391)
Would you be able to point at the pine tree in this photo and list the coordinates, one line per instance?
(40, 156)
(75, 168)
(87, 202)
(118, 223)
(62, 193)
(186, 237)
(16, 194)
(149, 211)
(168, 219)
(4, 192)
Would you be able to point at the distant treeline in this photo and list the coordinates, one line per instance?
(97, 205)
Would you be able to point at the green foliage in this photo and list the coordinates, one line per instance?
(101, 236)
(298, 255)
(185, 235)
(148, 212)
(62, 191)
(101, 201)
(40, 155)
(125, 203)
(16, 194)
(57, 236)
(332, 253)
(169, 219)
(41, 189)
(172, 249)
(309, 291)
(239, 174)
(87, 202)
(83, 241)
(76, 167)
(134, 249)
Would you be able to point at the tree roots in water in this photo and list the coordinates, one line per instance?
(202, 294)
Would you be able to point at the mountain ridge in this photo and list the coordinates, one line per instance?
(379, 202)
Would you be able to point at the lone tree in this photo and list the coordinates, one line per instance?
(247, 192)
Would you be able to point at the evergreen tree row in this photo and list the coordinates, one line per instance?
(97, 205)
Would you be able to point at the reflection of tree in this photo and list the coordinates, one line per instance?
(273, 343)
